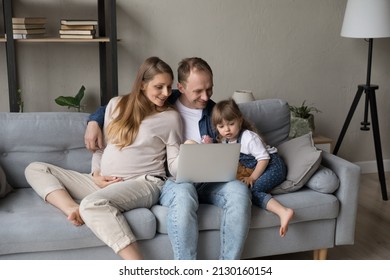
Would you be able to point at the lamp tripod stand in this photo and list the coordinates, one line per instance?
(370, 105)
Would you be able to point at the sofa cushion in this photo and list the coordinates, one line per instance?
(308, 205)
(28, 224)
(271, 118)
(302, 159)
(5, 188)
(323, 180)
(52, 137)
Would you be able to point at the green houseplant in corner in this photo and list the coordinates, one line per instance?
(72, 101)
(302, 119)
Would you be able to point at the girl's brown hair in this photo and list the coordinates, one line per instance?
(228, 110)
(135, 106)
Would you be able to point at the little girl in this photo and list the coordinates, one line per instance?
(266, 168)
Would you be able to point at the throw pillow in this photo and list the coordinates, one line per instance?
(324, 180)
(5, 188)
(302, 159)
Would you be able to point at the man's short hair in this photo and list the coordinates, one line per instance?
(189, 64)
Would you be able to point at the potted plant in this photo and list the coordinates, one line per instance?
(302, 119)
(72, 101)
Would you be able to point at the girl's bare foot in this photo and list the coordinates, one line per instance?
(284, 220)
(75, 218)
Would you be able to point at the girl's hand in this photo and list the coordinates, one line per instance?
(207, 139)
(104, 181)
(248, 181)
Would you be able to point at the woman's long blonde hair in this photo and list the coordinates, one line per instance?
(135, 106)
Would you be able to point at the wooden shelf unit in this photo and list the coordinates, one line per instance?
(61, 40)
(107, 41)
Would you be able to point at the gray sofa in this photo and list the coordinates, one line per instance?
(33, 229)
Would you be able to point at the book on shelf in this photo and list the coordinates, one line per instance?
(28, 36)
(78, 31)
(28, 26)
(71, 27)
(28, 20)
(30, 31)
(76, 36)
(78, 27)
(79, 22)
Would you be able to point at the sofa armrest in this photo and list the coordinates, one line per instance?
(347, 194)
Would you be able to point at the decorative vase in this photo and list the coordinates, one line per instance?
(300, 126)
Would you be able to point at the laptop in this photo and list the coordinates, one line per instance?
(207, 163)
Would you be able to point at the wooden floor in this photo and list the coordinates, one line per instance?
(372, 237)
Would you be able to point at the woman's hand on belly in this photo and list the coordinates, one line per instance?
(104, 181)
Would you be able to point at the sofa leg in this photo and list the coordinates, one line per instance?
(320, 254)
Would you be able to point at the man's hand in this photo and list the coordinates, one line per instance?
(93, 137)
(104, 181)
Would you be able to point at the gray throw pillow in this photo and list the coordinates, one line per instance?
(302, 159)
(5, 188)
(324, 180)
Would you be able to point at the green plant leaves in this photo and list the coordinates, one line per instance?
(67, 101)
(70, 101)
(303, 111)
(80, 94)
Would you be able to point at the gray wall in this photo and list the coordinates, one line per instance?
(289, 49)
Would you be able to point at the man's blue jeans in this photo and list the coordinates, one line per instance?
(183, 200)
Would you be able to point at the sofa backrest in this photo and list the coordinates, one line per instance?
(58, 137)
(52, 137)
(271, 118)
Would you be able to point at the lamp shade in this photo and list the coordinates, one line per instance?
(243, 96)
(366, 19)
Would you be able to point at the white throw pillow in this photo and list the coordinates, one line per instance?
(302, 159)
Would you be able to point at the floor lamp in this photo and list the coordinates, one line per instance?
(367, 19)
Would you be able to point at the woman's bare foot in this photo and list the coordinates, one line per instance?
(62, 200)
(75, 218)
(284, 220)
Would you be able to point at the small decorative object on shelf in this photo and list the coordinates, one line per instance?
(72, 101)
(78, 29)
(28, 27)
(302, 120)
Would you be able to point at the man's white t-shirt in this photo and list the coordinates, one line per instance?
(190, 118)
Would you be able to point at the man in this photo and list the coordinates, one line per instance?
(192, 100)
